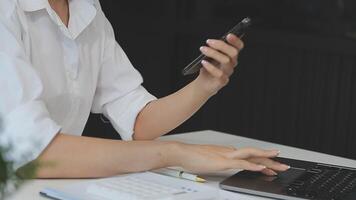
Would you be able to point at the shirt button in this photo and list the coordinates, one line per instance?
(73, 74)
(73, 60)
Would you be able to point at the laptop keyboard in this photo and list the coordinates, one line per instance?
(323, 183)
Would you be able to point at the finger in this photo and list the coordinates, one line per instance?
(269, 172)
(253, 152)
(271, 164)
(235, 41)
(216, 55)
(223, 47)
(215, 72)
(245, 165)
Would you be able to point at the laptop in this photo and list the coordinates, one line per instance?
(305, 180)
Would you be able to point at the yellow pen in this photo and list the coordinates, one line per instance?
(180, 174)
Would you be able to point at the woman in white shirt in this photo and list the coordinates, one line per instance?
(59, 61)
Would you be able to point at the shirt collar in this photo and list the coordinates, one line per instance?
(82, 13)
(35, 5)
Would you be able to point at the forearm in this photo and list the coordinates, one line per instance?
(163, 115)
(83, 157)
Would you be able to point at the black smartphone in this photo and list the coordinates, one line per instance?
(239, 30)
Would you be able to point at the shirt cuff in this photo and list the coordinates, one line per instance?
(27, 131)
(123, 112)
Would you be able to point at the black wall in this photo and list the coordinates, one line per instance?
(296, 81)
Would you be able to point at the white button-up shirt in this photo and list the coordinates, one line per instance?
(52, 77)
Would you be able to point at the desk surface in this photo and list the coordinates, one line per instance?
(31, 189)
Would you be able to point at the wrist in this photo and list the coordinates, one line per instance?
(203, 88)
(173, 154)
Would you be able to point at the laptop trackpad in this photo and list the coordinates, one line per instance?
(246, 181)
(288, 176)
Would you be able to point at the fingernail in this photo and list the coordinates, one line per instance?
(204, 62)
(209, 41)
(285, 166)
(273, 173)
(262, 167)
(203, 49)
(275, 152)
(242, 46)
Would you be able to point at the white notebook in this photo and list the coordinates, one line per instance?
(139, 186)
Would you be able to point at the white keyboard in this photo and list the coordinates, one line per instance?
(144, 188)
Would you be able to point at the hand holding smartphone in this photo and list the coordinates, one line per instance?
(239, 30)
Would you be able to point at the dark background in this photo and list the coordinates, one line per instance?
(296, 81)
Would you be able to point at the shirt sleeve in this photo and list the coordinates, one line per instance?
(119, 94)
(25, 124)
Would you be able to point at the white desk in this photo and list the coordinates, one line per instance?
(31, 189)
